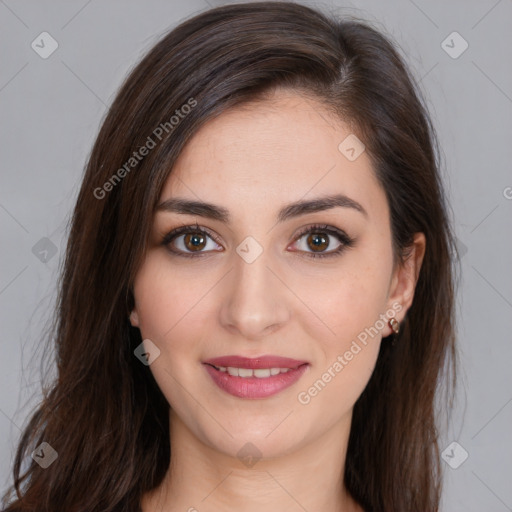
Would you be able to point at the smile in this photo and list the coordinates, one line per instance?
(254, 378)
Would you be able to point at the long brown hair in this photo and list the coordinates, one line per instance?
(104, 415)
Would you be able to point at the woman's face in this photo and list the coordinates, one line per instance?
(245, 281)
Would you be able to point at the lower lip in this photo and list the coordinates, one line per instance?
(254, 387)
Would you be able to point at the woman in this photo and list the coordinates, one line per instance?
(257, 299)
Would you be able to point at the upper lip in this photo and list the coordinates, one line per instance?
(256, 362)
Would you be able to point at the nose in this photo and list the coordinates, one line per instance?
(255, 302)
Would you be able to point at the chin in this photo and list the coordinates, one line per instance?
(257, 441)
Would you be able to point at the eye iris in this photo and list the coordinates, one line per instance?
(198, 241)
(319, 241)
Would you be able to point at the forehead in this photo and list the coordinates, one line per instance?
(269, 153)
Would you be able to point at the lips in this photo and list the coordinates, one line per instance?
(260, 377)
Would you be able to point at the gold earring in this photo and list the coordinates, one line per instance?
(394, 324)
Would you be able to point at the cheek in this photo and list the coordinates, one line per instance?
(350, 302)
(166, 298)
(350, 350)
(166, 303)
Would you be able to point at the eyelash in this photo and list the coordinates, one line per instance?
(345, 240)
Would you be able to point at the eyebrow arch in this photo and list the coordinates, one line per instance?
(301, 207)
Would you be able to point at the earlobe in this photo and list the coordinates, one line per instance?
(134, 318)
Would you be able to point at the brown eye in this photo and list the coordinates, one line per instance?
(194, 241)
(317, 241)
(191, 241)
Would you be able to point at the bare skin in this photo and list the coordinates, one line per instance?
(252, 161)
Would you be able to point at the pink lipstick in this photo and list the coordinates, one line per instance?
(253, 378)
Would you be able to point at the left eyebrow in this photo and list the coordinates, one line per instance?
(295, 209)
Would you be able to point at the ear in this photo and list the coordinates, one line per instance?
(134, 318)
(404, 279)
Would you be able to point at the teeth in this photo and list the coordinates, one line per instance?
(244, 372)
(260, 373)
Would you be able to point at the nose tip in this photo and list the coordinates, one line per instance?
(250, 330)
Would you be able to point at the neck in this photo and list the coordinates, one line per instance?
(202, 479)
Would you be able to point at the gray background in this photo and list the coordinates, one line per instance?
(51, 110)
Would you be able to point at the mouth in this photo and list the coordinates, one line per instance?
(260, 377)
